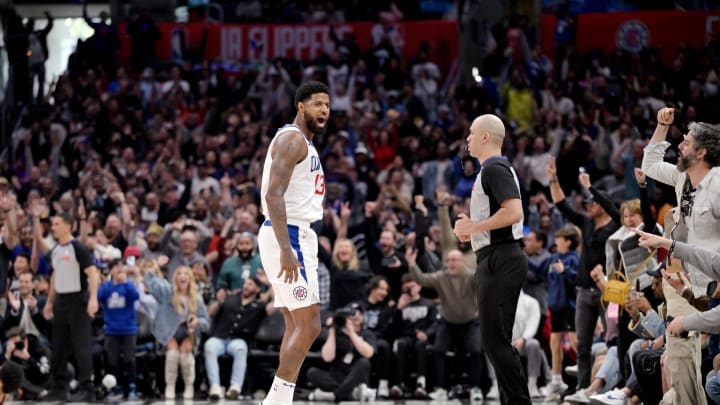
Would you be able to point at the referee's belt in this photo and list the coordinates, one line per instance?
(483, 251)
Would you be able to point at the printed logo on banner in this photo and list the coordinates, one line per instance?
(300, 293)
(632, 36)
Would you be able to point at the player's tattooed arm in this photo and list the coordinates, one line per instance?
(287, 151)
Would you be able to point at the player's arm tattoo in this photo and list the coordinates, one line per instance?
(287, 151)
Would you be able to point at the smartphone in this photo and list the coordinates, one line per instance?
(582, 170)
(130, 260)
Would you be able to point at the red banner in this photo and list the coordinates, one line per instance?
(664, 30)
(233, 42)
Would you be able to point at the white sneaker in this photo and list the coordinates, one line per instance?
(362, 393)
(320, 395)
(476, 395)
(233, 392)
(439, 395)
(369, 395)
(383, 391)
(553, 391)
(579, 397)
(535, 392)
(572, 370)
(614, 397)
(216, 392)
(494, 393)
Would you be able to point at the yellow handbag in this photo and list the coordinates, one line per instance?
(617, 288)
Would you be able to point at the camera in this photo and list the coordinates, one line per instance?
(20, 345)
(408, 291)
(340, 317)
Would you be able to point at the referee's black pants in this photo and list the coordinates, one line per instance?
(501, 272)
(71, 328)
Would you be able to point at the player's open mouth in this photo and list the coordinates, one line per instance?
(321, 122)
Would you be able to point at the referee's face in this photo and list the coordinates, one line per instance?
(60, 228)
(474, 139)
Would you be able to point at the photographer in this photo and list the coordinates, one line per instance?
(348, 348)
(118, 296)
(36, 370)
(236, 317)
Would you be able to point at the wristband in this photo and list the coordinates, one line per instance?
(672, 248)
(555, 180)
(663, 124)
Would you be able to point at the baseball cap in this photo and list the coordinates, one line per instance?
(361, 149)
(132, 251)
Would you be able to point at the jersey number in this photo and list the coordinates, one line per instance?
(319, 184)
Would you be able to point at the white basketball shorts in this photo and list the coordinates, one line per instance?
(304, 292)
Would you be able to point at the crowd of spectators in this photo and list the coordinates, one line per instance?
(157, 168)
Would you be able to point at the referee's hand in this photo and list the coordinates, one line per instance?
(463, 228)
(92, 307)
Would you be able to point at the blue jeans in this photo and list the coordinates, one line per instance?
(712, 387)
(215, 347)
(609, 372)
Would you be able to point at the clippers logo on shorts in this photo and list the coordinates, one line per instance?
(300, 293)
(632, 36)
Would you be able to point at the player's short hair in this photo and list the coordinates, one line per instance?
(307, 89)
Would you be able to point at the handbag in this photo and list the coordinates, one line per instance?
(617, 288)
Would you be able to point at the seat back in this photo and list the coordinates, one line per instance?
(271, 330)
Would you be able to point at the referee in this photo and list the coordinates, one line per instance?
(495, 231)
(72, 303)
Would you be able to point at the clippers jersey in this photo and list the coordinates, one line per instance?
(306, 189)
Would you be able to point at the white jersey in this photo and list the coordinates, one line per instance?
(306, 189)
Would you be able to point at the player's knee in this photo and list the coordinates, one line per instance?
(312, 329)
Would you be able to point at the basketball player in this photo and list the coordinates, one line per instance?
(292, 192)
(495, 232)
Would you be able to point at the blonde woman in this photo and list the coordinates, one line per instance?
(181, 316)
(348, 275)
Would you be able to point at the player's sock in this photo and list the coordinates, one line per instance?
(281, 392)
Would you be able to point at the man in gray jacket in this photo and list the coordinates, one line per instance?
(459, 325)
